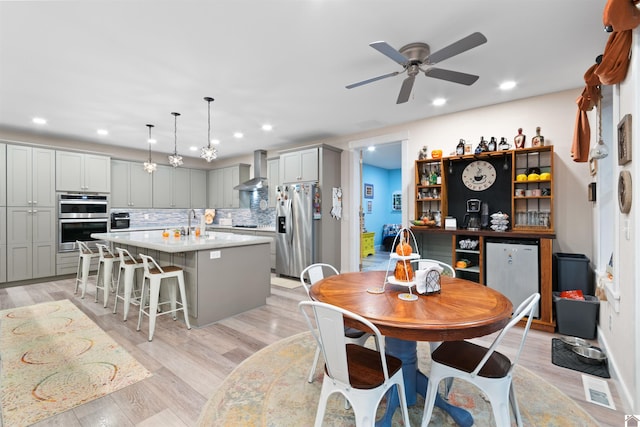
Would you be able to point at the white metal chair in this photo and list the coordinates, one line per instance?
(448, 270)
(313, 273)
(105, 269)
(85, 255)
(486, 368)
(129, 265)
(362, 375)
(154, 275)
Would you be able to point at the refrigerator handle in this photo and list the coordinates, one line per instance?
(289, 222)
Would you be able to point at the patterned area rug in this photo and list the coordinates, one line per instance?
(55, 358)
(270, 389)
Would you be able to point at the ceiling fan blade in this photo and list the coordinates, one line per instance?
(385, 49)
(462, 45)
(371, 80)
(452, 76)
(405, 90)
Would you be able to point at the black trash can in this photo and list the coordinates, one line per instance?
(575, 317)
(572, 272)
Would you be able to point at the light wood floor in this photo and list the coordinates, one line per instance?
(188, 366)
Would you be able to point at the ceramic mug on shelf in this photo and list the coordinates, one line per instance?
(528, 193)
(519, 192)
(536, 192)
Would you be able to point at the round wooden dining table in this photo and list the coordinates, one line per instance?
(463, 309)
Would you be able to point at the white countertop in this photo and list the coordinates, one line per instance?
(152, 239)
(209, 227)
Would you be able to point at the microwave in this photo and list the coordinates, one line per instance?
(119, 220)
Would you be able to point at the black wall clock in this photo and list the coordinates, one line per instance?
(479, 175)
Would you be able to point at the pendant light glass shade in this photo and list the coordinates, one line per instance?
(149, 166)
(208, 153)
(600, 150)
(175, 159)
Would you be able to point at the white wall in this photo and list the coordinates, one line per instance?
(618, 330)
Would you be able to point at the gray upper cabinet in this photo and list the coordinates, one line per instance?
(171, 187)
(130, 185)
(273, 179)
(30, 176)
(299, 166)
(198, 188)
(3, 174)
(221, 183)
(82, 172)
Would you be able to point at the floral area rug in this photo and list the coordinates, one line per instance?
(55, 358)
(270, 389)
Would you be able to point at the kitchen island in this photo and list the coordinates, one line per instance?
(225, 274)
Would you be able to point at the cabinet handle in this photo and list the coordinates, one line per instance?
(35, 211)
(29, 201)
(35, 202)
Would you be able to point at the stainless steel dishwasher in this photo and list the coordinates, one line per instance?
(512, 268)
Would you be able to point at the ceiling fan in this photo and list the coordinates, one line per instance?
(417, 57)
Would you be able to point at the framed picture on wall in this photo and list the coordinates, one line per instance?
(624, 140)
(369, 206)
(368, 191)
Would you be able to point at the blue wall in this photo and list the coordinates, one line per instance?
(385, 182)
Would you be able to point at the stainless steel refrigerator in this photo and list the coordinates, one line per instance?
(512, 269)
(296, 206)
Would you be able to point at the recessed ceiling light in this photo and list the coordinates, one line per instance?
(193, 148)
(371, 148)
(39, 121)
(103, 132)
(267, 127)
(507, 85)
(439, 101)
(215, 141)
(238, 135)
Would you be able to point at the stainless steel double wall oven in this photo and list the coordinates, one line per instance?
(79, 215)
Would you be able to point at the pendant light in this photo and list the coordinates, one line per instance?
(149, 166)
(208, 153)
(175, 159)
(600, 150)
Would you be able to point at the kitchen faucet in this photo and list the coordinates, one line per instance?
(189, 219)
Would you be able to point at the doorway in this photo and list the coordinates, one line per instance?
(380, 202)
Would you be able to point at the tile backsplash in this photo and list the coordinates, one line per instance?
(178, 217)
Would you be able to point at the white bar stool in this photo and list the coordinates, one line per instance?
(85, 255)
(105, 266)
(130, 265)
(154, 274)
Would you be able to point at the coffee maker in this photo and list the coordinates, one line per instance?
(472, 217)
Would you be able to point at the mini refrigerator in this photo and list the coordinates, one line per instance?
(512, 268)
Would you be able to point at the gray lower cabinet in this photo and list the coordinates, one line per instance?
(272, 245)
(3, 244)
(130, 185)
(31, 243)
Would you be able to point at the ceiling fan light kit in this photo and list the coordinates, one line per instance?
(417, 57)
(208, 153)
(175, 159)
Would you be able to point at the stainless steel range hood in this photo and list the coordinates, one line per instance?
(259, 167)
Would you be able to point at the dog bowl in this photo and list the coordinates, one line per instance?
(571, 342)
(590, 355)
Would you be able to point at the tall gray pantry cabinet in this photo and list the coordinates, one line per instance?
(3, 213)
(31, 215)
(319, 163)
